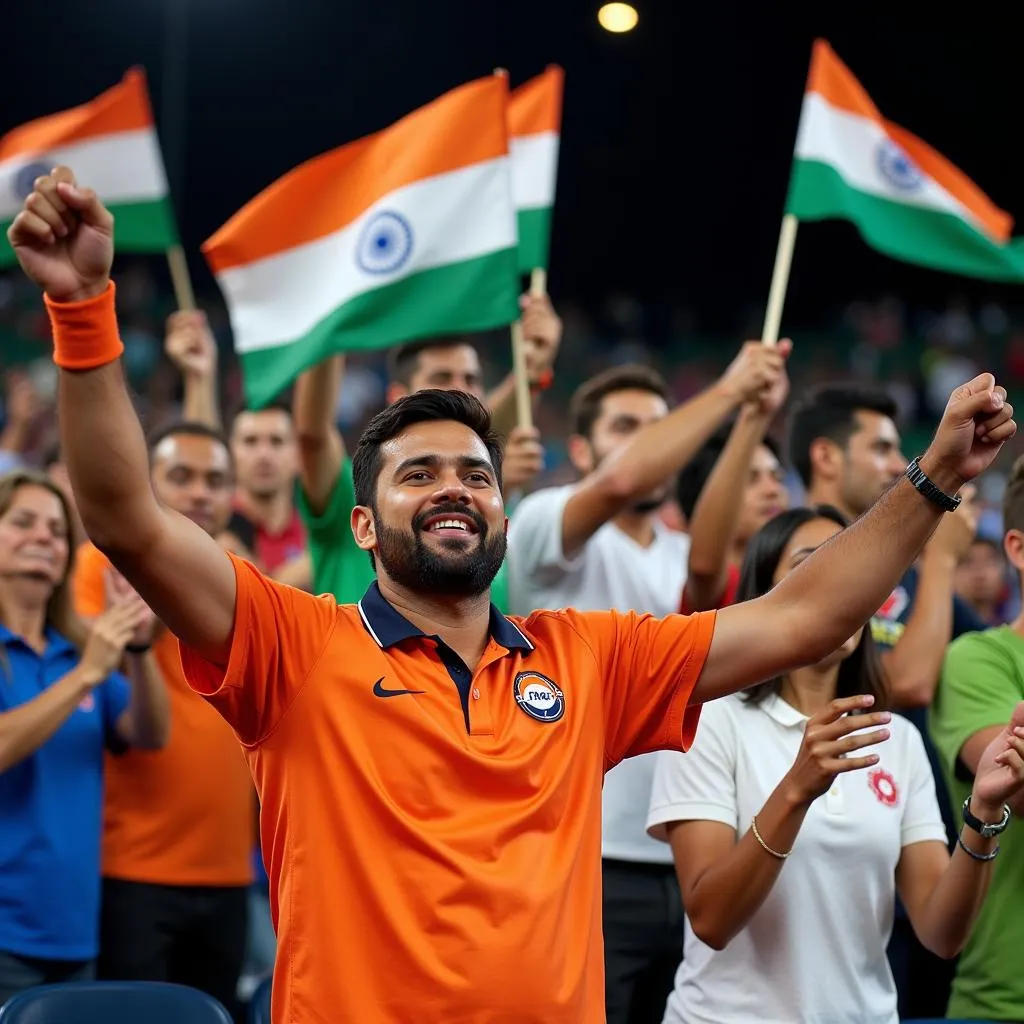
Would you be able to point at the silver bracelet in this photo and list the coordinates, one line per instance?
(974, 854)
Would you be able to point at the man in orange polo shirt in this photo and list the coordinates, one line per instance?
(177, 825)
(430, 771)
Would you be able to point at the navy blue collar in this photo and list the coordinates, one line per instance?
(389, 627)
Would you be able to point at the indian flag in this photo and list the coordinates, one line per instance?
(534, 126)
(111, 145)
(906, 199)
(406, 234)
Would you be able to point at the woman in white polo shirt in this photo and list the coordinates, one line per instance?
(811, 770)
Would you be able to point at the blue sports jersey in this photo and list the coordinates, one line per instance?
(51, 809)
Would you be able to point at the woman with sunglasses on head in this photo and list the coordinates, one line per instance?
(801, 811)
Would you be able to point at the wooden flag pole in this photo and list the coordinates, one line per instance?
(524, 398)
(780, 280)
(183, 293)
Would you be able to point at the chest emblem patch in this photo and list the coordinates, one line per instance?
(884, 787)
(539, 696)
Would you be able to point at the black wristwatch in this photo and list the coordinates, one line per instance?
(984, 828)
(917, 476)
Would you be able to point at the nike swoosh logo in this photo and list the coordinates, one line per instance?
(379, 691)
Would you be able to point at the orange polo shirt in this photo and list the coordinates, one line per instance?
(183, 815)
(433, 834)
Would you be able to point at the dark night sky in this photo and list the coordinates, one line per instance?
(676, 139)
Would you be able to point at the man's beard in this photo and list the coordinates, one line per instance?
(410, 563)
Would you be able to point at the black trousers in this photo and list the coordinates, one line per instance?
(643, 939)
(188, 935)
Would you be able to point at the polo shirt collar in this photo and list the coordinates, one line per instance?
(785, 714)
(55, 642)
(388, 627)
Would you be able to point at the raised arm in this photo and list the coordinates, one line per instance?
(190, 345)
(321, 448)
(542, 335)
(63, 239)
(716, 515)
(838, 588)
(661, 449)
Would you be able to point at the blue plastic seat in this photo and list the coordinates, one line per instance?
(102, 1002)
(259, 1006)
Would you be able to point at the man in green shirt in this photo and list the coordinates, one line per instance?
(326, 495)
(982, 681)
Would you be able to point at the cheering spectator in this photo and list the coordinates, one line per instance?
(61, 703)
(825, 776)
(982, 680)
(599, 544)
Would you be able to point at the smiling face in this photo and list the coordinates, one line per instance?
(34, 544)
(438, 522)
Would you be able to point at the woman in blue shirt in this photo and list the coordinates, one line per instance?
(61, 704)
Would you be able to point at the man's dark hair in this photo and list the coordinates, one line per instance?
(1013, 498)
(429, 405)
(404, 360)
(830, 412)
(585, 406)
(278, 405)
(186, 428)
(694, 476)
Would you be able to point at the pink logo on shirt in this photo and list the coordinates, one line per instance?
(884, 786)
(87, 703)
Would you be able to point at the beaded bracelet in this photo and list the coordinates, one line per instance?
(764, 845)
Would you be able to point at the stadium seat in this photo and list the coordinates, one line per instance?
(259, 1006)
(101, 1002)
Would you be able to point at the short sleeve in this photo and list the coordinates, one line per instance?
(114, 696)
(922, 820)
(977, 690)
(87, 583)
(699, 785)
(329, 535)
(535, 539)
(649, 669)
(279, 635)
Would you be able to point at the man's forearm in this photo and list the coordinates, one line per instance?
(149, 714)
(837, 590)
(321, 448)
(102, 443)
(200, 403)
(662, 448)
(502, 403)
(717, 512)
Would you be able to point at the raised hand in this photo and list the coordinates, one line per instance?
(111, 632)
(523, 458)
(120, 592)
(827, 743)
(189, 343)
(64, 238)
(542, 333)
(977, 421)
(757, 372)
(1000, 773)
(22, 399)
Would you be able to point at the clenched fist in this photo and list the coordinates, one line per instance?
(189, 343)
(757, 373)
(64, 238)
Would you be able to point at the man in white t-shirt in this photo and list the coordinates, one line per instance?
(599, 544)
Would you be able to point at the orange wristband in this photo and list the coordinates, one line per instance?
(85, 333)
